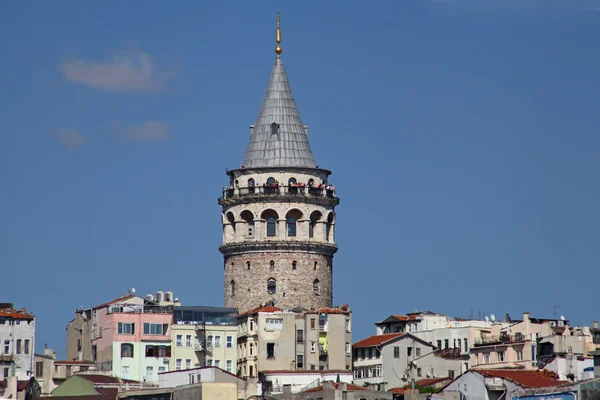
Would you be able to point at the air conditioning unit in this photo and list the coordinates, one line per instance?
(561, 323)
(404, 377)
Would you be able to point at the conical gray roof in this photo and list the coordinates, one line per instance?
(286, 143)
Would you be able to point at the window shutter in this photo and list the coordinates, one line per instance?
(168, 351)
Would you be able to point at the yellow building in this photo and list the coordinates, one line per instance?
(203, 336)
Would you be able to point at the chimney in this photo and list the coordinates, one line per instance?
(595, 324)
(527, 323)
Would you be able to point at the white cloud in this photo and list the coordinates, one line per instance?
(127, 70)
(70, 137)
(150, 131)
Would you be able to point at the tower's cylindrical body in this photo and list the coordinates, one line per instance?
(278, 239)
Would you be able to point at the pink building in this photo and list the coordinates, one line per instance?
(129, 336)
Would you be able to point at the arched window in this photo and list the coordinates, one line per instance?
(271, 226)
(231, 220)
(271, 217)
(251, 182)
(312, 223)
(248, 265)
(271, 265)
(237, 183)
(316, 264)
(294, 264)
(330, 219)
(232, 285)
(292, 181)
(291, 226)
(249, 218)
(126, 350)
(316, 286)
(270, 181)
(271, 286)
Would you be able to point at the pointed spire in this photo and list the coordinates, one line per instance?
(279, 138)
(278, 49)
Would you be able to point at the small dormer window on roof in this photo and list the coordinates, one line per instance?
(274, 128)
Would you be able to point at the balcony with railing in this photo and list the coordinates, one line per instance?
(502, 339)
(269, 191)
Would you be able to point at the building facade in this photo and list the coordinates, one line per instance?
(511, 346)
(278, 212)
(273, 339)
(129, 336)
(203, 337)
(17, 342)
(395, 359)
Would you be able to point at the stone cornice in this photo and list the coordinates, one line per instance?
(260, 246)
(259, 198)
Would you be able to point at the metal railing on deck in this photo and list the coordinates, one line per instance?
(277, 191)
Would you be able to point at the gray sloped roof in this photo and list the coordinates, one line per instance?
(289, 147)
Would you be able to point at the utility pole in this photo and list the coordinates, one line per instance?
(555, 307)
(412, 361)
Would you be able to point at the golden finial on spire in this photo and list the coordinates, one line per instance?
(278, 49)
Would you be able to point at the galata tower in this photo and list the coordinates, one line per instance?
(278, 211)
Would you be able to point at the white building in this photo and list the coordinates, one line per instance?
(397, 358)
(196, 375)
(455, 336)
(17, 342)
(300, 381)
(488, 384)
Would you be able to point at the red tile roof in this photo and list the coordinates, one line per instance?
(91, 397)
(22, 385)
(107, 391)
(117, 300)
(527, 379)
(328, 310)
(399, 390)
(431, 381)
(377, 340)
(16, 314)
(264, 309)
(350, 388)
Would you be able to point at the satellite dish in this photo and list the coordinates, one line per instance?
(487, 318)
(562, 317)
(493, 317)
(132, 290)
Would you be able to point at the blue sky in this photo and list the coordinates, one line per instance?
(462, 135)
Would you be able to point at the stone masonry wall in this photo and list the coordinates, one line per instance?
(247, 288)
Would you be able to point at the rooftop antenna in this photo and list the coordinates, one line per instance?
(278, 49)
(555, 307)
(470, 313)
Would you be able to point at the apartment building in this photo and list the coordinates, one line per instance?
(17, 342)
(128, 336)
(395, 359)
(202, 337)
(270, 338)
(453, 337)
(512, 346)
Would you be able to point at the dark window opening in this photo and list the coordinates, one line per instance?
(299, 336)
(248, 265)
(271, 226)
(316, 286)
(271, 265)
(294, 264)
(126, 350)
(232, 284)
(270, 350)
(300, 361)
(274, 128)
(291, 226)
(272, 287)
